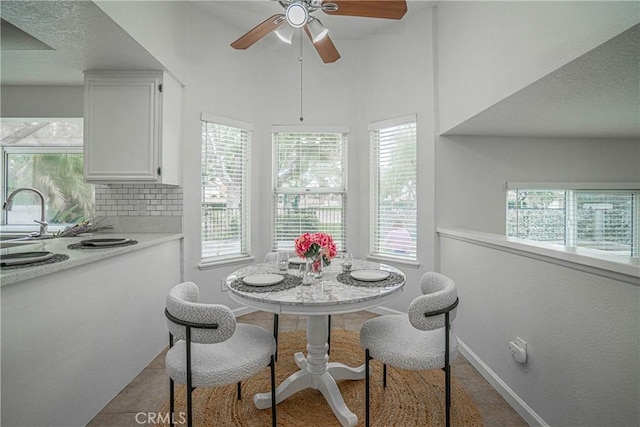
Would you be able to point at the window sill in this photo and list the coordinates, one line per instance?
(616, 267)
(207, 264)
(385, 260)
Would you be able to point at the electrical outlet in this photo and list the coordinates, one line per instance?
(141, 206)
(223, 285)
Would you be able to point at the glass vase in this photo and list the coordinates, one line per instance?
(307, 276)
(317, 266)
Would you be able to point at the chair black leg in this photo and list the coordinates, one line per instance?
(384, 375)
(447, 369)
(239, 391)
(171, 401)
(275, 331)
(447, 375)
(273, 391)
(329, 337)
(366, 386)
(189, 388)
(171, 388)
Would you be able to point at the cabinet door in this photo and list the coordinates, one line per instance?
(121, 129)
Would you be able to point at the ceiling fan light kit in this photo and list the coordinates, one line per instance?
(297, 14)
(285, 33)
(318, 32)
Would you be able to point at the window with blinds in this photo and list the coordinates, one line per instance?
(601, 219)
(309, 184)
(225, 188)
(393, 188)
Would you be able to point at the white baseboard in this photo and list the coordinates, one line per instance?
(243, 310)
(501, 387)
(384, 310)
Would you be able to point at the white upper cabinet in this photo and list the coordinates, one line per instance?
(132, 127)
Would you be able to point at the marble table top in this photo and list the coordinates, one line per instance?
(324, 296)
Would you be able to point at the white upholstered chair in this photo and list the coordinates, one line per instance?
(212, 350)
(419, 340)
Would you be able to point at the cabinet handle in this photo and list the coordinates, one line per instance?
(159, 171)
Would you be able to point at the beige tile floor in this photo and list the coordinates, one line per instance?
(150, 389)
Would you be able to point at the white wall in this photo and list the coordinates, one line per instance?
(582, 333)
(260, 85)
(490, 50)
(72, 340)
(41, 101)
(582, 330)
(396, 79)
(472, 172)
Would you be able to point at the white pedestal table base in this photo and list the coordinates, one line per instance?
(317, 373)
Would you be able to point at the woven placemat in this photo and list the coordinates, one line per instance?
(54, 258)
(289, 281)
(411, 398)
(393, 279)
(119, 245)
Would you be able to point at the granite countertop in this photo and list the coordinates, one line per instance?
(77, 257)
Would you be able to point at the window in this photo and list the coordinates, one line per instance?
(309, 182)
(599, 218)
(393, 188)
(47, 156)
(226, 145)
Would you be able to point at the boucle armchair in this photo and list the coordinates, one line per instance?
(212, 349)
(419, 340)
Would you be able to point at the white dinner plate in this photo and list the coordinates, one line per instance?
(104, 242)
(25, 258)
(369, 275)
(297, 260)
(265, 279)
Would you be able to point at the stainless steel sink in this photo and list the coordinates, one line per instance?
(13, 243)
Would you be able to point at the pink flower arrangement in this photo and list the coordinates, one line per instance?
(316, 245)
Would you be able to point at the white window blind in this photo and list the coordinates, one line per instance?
(309, 185)
(393, 188)
(225, 189)
(597, 218)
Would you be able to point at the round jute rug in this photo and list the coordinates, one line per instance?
(411, 398)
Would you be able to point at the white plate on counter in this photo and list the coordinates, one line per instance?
(104, 242)
(25, 258)
(369, 275)
(266, 279)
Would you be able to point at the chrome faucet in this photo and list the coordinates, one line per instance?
(8, 205)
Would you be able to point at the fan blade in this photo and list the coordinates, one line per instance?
(388, 9)
(325, 47)
(259, 32)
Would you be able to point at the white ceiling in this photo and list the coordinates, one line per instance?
(597, 95)
(247, 14)
(81, 35)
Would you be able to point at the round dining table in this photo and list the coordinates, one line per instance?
(264, 287)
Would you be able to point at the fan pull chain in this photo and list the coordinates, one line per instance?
(300, 59)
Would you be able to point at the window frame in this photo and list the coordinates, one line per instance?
(245, 239)
(341, 241)
(571, 191)
(375, 235)
(7, 150)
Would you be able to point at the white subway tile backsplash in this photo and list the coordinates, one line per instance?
(138, 200)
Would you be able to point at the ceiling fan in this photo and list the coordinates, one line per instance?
(298, 14)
